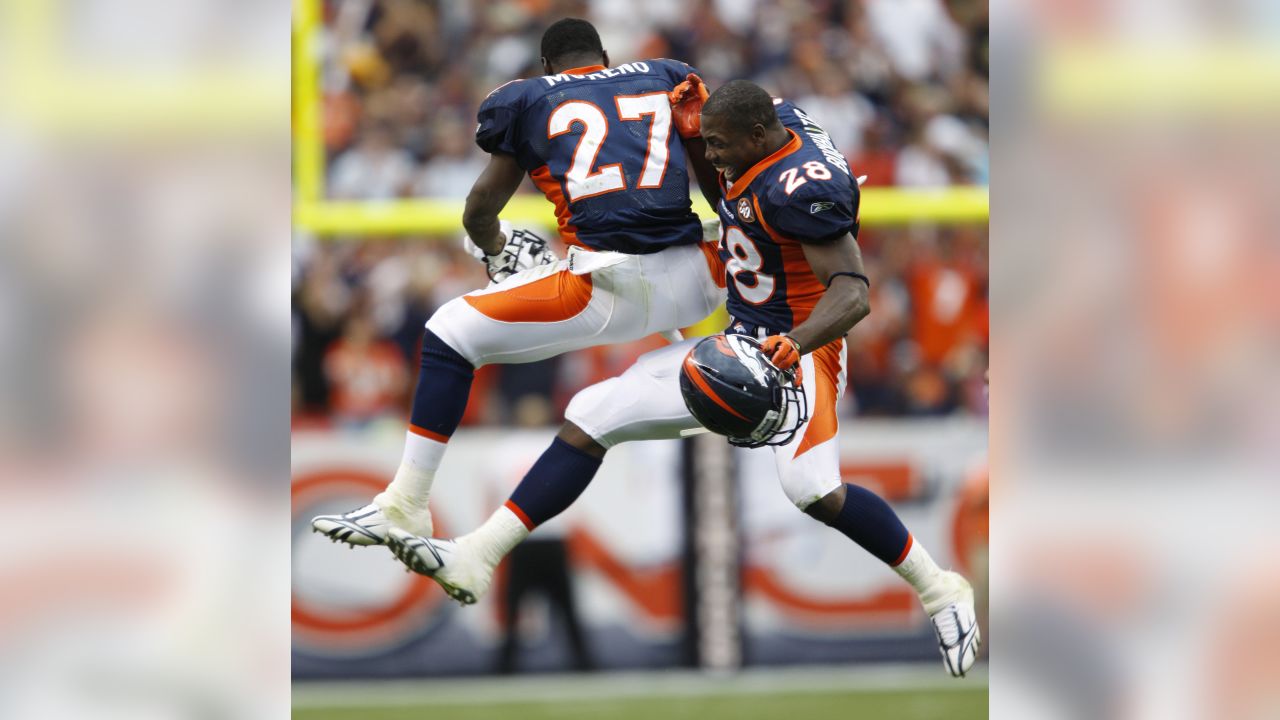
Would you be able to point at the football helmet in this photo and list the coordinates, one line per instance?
(732, 389)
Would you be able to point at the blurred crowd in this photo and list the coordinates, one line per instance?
(359, 310)
(901, 86)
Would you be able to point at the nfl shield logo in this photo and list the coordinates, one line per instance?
(744, 210)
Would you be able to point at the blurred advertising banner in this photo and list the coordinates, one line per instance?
(356, 612)
(809, 595)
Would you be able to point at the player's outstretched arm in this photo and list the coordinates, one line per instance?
(488, 196)
(846, 300)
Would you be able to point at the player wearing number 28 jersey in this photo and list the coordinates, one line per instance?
(801, 194)
(607, 146)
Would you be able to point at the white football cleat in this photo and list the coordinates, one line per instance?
(368, 525)
(950, 608)
(462, 574)
(363, 526)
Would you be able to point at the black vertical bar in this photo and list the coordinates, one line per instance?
(690, 650)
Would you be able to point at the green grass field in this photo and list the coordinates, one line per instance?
(755, 695)
(897, 705)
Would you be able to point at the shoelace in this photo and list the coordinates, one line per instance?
(948, 625)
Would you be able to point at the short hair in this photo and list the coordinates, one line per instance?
(743, 104)
(568, 37)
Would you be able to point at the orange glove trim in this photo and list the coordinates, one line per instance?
(784, 353)
(686, 106)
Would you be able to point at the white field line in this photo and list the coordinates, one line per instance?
(611, 686)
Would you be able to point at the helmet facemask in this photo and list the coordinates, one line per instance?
(779, 426)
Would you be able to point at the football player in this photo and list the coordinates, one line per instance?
(789, 217)
(606, 145)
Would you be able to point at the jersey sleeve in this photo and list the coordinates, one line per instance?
(817, 212)
(676, 70)
(497, 120)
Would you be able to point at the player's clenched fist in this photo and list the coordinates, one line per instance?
(521, 250)
(784, 353)
(686, 106)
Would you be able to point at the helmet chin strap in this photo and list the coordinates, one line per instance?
(778, 428)
(767, 427)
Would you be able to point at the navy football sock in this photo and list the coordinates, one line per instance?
(869, 521)
(553, 483)
(444, 384)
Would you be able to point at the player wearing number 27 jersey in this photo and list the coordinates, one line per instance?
(607, 146)
(599, 143)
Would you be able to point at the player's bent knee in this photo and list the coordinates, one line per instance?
(804, 491)
(588, 411)
(578, 438)
(827, 508)
(449, 323)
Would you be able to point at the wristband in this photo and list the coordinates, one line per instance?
(860, 276)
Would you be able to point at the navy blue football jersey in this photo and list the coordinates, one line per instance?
(600, 144)
(803, 193)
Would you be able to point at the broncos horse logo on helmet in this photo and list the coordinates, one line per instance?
(732, 389)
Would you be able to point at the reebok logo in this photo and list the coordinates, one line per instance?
(820, 206)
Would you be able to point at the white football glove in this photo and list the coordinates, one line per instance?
(521, 251)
